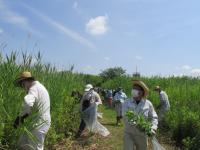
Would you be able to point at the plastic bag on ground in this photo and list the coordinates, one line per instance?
(100, 115)
(92, 124)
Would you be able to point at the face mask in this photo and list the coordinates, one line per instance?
(135, 93)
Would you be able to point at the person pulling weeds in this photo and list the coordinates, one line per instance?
(37, 98)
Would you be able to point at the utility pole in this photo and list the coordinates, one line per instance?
(136, 74)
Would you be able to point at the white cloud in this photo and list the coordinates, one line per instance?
(98, 25)
(138, 57)
(75, 5)
(195, 72)
(12, 17)
(185, 67)
(61, 28)
(107, 58)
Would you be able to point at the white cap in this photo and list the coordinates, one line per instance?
(88, 87)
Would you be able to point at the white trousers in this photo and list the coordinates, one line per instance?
(135, 142)
(32, 142)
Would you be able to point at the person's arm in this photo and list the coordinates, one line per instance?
(98, 99)
(19, 119)
(28, 103)
(163, 100)
(154, 118)
(125, 97)
(163, 97)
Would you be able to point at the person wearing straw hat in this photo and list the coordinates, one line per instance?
(164, 105)
(37, 99)
(134, 139)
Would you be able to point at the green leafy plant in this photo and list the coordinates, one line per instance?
(139, 121)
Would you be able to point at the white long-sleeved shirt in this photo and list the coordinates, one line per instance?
(38, 97)
(144, 108)
(164, 101)
(120, 96)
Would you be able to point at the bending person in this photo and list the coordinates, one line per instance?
(37, 99)
(89, 103)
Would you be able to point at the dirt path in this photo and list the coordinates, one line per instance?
(95, 142)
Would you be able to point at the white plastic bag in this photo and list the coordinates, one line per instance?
(100, 115)
(90, 118)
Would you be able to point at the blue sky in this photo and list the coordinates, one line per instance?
(160, 37)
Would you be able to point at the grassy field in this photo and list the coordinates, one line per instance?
(94, 142)
(113, 142)
(182, 122)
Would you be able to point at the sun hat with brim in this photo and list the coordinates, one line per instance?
(157, 88)
(142, 85)
(23, 76)
(88, 87)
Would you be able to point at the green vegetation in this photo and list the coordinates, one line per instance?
(140, 122)
(181, 123)
(112, 73)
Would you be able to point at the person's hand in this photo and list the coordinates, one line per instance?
(17, 122)
(153, 132)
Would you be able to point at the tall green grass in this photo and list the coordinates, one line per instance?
(182, 122)
(64, 109)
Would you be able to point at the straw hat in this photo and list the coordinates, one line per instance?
(88, 87)
(23, 76)
(157, 88)
(142, 85)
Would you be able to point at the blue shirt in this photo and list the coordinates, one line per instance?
(120, 96)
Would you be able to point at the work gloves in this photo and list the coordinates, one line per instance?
(19, 120)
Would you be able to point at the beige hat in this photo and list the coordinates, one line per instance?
(157, 88)
(23, 76)
(88, 87)
(143, 86)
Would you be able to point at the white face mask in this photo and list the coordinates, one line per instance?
(135, 93)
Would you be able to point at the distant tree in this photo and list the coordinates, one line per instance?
(93, 79)
(112, 73)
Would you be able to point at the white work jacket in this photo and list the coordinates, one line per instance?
(164, 102)
(144, 108)
(38, 98)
